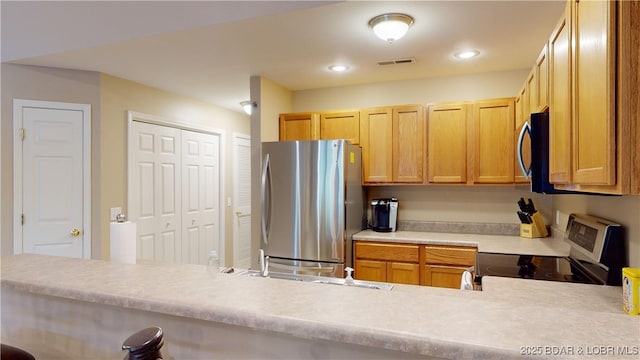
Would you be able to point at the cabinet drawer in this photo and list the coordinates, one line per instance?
(387, 252)
(450, 255)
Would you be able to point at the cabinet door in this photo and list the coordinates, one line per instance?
(494, 148)
(532, 90)
(443, 276)
(542, 81)
(408, 144)
(302, 126)
(340, 125)
(560, 93)
(376, 138)
(403, 273)
(447, 143)
(594, 97)
(371, 270)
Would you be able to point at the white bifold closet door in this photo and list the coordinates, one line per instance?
(175, 186)
(200, 197)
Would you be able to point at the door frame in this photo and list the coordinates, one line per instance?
(158, 120)
(18, 106)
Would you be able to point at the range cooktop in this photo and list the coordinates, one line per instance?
(597, 256)
(550, 268)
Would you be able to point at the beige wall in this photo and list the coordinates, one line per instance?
(110, 98)
(486, 204)
(118, 96)
(417, 91)
(45, 84)
(274, 100)
(624, 210)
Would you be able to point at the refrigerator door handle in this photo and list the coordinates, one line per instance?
(265, 215)
(526, 128)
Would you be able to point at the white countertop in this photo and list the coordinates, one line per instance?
(549, 246)
(510, 316)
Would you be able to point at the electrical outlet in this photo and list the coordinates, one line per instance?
(114, 212)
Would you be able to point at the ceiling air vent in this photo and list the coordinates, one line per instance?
(398, 61)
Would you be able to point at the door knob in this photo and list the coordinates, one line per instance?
(75, 232)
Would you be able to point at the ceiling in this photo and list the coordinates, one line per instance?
(209, 49)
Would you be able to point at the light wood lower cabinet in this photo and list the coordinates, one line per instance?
(396, 263)
(444, 265)
(413, 264)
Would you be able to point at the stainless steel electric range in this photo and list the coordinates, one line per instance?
(597, 256)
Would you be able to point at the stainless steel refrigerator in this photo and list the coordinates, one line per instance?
(312, 202)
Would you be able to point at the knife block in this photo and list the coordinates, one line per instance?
(537, 228)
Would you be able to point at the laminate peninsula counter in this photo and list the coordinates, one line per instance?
(59, 307)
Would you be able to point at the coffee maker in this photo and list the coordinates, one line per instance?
(384, 214)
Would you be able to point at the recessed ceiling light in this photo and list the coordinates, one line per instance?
(338, 68)
(467, 54)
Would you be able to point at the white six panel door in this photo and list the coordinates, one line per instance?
(200, 196)
(157, 183)
(52, 193)
(175, 186)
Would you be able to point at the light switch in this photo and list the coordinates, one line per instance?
(228, 202)
(114, 212)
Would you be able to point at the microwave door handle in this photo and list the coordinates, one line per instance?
(526, 128)
(265, 215)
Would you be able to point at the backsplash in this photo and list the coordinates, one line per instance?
(459, 227)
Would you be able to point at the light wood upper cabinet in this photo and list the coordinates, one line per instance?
(594, 55)
(532, 90)
(447, 143)
(541, 69)
(408, 144)
(321, 126)
(493, 144)
(392, 141)
(299, 126)
(376, 129)
(594, 35)
(340, 125)
(560, 93)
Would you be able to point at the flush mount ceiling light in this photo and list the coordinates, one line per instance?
(391, 27)
(338, 68)
(247, 106)
(466, 54)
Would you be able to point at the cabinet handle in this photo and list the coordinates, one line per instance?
(526, 128)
